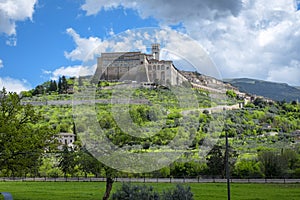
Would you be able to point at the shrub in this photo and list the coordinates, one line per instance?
(138, 192)
(179, 193)
(135, 192)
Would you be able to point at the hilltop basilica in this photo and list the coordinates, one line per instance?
(139, 67)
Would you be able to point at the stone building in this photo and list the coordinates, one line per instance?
(139, 67)
(66, 139)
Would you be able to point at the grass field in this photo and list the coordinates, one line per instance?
(95, 190)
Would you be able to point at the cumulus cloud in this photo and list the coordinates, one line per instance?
(169, 11)
(1, 63)
(14, 85)
(12, 11)
(72, 71)
(88, 49)
(84, 46)
(245, 38)
(280, 75)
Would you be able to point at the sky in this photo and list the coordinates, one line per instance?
(44, 39)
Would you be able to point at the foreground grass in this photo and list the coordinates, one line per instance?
(95, 190)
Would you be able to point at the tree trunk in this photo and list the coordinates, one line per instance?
(109, 184)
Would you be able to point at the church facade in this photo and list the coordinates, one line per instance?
(139, 67)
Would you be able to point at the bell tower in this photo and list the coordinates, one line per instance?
(155, 51)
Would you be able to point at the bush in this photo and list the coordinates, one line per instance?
(179, 193)
(135, 192)
(138, 192)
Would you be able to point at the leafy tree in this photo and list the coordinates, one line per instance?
(64, 84)
(67, 161)
(216, 161)
(247, 168)
(273, 164)
(87, 163)
(23, 138)
(231, 94)
(40, 89)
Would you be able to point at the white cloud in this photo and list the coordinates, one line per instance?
(88, 49)
(245, 38)
(169, 11)
(72, 71)
(12, 11)
(11, 41)
(1, 63)
(14, 85)
(84, 46)
(292, 72)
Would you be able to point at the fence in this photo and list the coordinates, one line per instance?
(148, 180)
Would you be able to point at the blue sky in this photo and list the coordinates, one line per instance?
(43, 39)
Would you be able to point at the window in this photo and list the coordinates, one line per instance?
(162, 67)
(162, 76)
(149, 67)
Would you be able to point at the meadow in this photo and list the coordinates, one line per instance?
(95, 190)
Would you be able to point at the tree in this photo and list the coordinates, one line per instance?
(52, 86)
(38, 90)
(67, 161)
(231, 94)
(23, 139)
(216, 160)
(64, 84)
(272, 163)
(59, 86)
(110, 174)
(87, 163)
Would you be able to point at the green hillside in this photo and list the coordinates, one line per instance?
(275, 91)
(168, 120)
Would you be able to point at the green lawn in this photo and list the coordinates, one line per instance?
(95, 190)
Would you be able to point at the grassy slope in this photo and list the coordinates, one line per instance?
(95, 190)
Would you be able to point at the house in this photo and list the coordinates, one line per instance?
(66, 139)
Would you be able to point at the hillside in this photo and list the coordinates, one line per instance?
(272, 90)
(163, 124)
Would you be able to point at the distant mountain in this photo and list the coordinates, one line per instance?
(272, 90)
